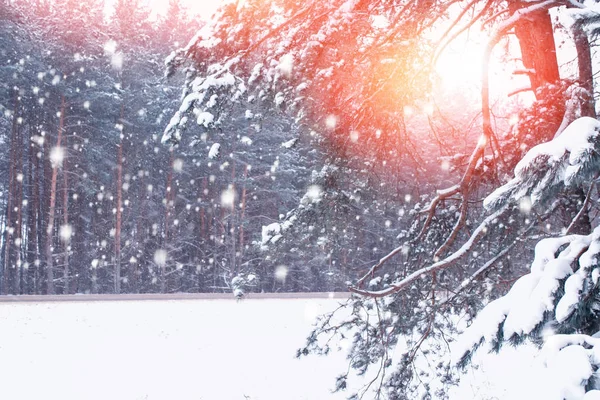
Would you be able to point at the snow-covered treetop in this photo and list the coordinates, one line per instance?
(297, 57)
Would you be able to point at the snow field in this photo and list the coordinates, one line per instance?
(163, 350)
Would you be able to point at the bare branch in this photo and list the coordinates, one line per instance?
(588, 196)
(480, 231)
(457, 227)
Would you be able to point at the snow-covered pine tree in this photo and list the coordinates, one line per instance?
(557, 304)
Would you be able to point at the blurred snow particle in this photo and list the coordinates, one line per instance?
(65, 232)
(407, 198)
(331, 122)
(116, 58)
(228, 198)
(445, 165)
(281, 273)
(178, 165)
(55, 80)
(116, 61)
(525, 205)
(86, 105)
(314, 193)
(160, 257)
(246, 140)
(57, 156)
(354, 136)
(110, 47)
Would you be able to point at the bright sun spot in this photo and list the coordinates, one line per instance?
(461, 63)
(460, 67)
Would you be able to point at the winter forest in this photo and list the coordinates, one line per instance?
(437, 159)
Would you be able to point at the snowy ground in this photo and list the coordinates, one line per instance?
(167, 350)
(180, 350)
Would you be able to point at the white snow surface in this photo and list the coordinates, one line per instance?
(205, 349)
(164, 350)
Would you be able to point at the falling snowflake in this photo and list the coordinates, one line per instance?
(331, 121)
(525, 205)
(228, 198)
(65, 232)
(57, 156)
(314, 193)
(110, 47)
(281, 273)
(178, 165)
(160, 257)
(116, 61)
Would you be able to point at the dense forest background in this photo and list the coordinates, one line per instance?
(95, 203)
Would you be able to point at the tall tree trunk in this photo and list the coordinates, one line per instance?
(243, 211)
(66, 240)
(32, 215)
(9, 229)
(18, 279)
(584, 64)
(52, 210)
(535, 34)
(119, 207)
(169, 207)
(538, 50)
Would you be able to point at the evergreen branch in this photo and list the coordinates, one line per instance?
(440, 265)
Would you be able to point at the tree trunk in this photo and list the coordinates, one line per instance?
(52, 210)
(66, 240)
(32, 216)
(243, 211)
(538, 50)
(584, 64)
(18, 279)
(119, 206)
(10, 203)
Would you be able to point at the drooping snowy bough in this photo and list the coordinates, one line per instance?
(557, 304)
